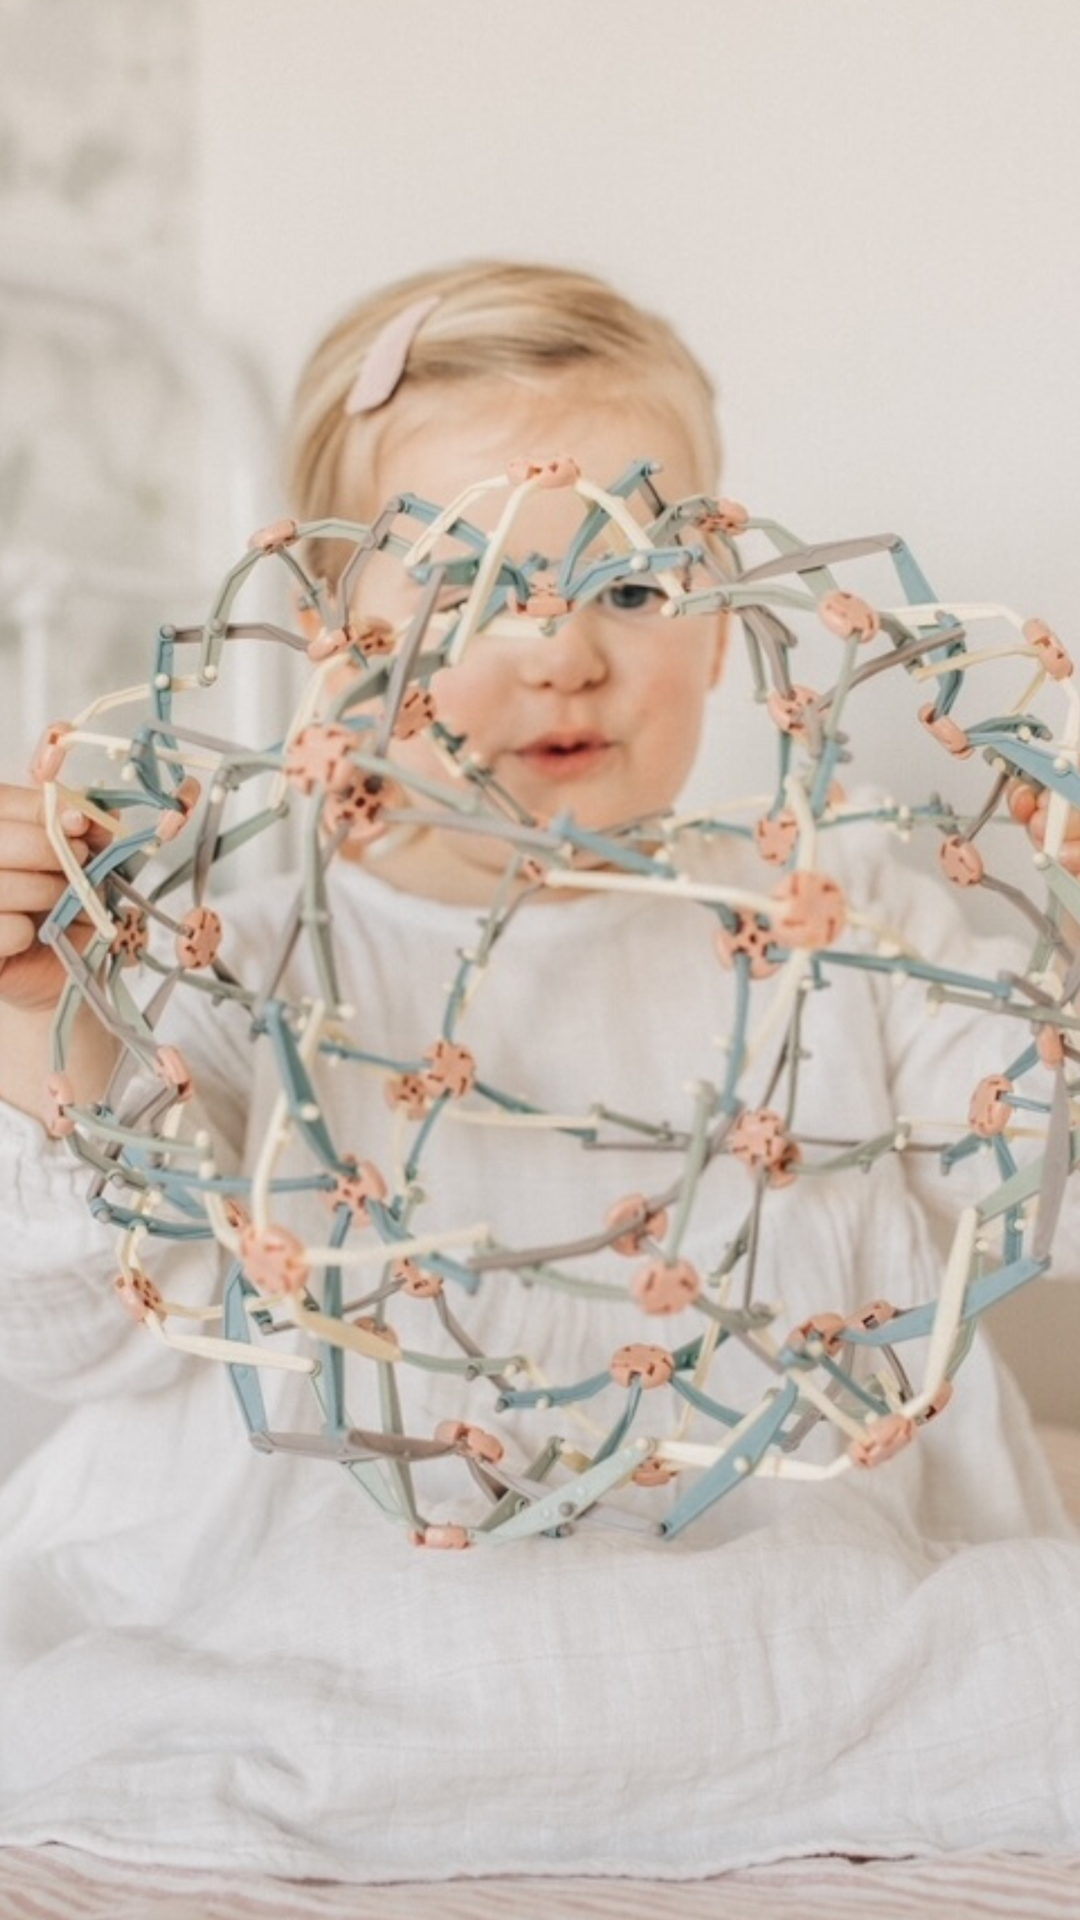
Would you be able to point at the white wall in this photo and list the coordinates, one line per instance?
(861, 213)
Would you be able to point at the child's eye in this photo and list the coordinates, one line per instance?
(632, 596)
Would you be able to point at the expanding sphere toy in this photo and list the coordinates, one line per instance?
(161, 779)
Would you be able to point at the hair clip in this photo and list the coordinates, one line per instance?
(384, 362)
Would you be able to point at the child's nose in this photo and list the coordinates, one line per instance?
(568, 659)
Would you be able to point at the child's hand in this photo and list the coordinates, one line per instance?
(1028, 804)
(31, 883)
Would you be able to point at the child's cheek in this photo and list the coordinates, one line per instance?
(691, 677)
(469, 698)
(418, 756)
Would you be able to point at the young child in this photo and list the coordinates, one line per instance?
(209, 1658)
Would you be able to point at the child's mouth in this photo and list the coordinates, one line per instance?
(564, 756)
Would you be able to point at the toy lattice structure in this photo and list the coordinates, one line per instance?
(336, 764)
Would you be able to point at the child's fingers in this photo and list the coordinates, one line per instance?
(95, 831)
(30, 892)
(27, 848)
(22, 803)
(1022, 800)
(1029, 805)
(32, 977)
(32, 880)
(97, 838)
(17, 935)
(24, 841)
(27, 804)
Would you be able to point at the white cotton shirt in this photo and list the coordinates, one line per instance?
(212, 1657)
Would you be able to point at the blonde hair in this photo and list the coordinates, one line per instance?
(496, 320)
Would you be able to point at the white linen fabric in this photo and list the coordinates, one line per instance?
(212, 1659)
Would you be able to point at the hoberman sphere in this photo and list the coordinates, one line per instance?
(150, 779)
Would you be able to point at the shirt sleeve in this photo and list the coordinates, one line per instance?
(63, 1331)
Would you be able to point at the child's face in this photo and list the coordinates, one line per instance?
(603, 716)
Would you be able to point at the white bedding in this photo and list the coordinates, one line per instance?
(47, 1882)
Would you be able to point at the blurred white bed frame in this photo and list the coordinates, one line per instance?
(235, 492)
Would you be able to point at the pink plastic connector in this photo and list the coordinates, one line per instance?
(884, 1439)
(653, 1473)
(368, 1323)
(321, 756)
(1053, 657)
(788, 710)
(543, 603)
(139, 1296)
(632, 1214)
(946, 732)
(961, 862)
(653, 1366)
(174, 1070)
(410, 1092)
(728, 516)
(375, 636)
(360, 806)
(131, 937)
(354, 1189)
(186, 797)
(812, 911)
(274, 538)
(452, 1070)
(990, 1112)
(829, 1328)
(448, 1536)
(560, 472)
(50, 752)
(416, 1281)
(749, 938)
(666, 1287)
(329, 642)
(758, 1138)
(474, 1441)
(417, 711)
(848, 615)
(274, 1259)
(874, 1314)
(198, 941)
(776, 838)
